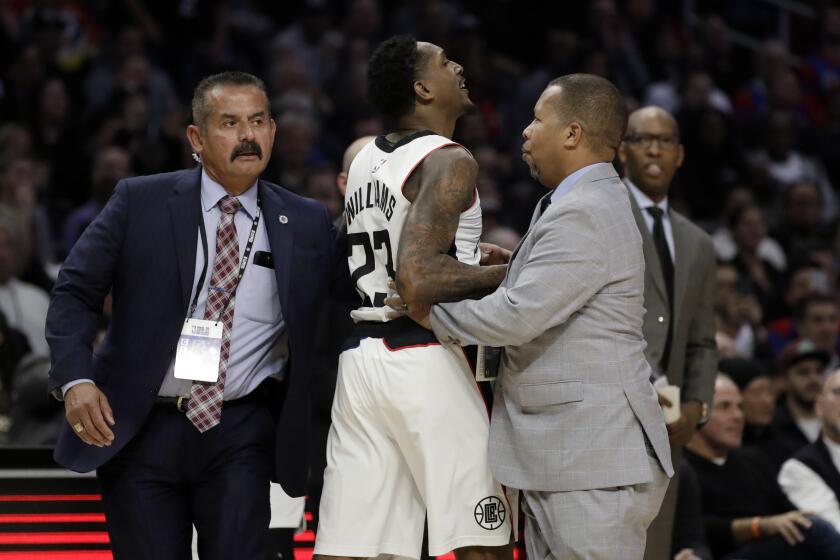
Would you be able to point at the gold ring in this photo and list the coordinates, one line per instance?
(78, 427)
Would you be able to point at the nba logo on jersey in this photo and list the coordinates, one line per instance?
(378, 165)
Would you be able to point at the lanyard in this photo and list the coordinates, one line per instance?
(242, 263)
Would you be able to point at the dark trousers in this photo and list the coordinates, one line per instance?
(822, 542)
(170, 477)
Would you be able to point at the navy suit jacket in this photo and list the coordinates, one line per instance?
(143, 247)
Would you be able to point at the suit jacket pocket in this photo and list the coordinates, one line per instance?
(538, 395)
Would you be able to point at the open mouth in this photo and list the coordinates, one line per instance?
(463, 84)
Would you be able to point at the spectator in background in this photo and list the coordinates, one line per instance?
(725, 249)
(817, 322)
(795, 422)
(18, 191)
(320, 184)
(13, 347)
(109, 166)
(761, 277)
(778, 164)
(804, 278)
(755, 384)
(746, 514)
(738, 315)
(24, 305)
(811, 479)
(689, 538)
(802, 222)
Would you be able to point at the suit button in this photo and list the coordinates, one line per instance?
(661, 319)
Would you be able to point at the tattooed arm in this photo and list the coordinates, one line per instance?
(441, 188)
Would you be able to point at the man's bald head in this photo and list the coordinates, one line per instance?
(641, 116)
(596, 104)
(353, 150)
(349, 155)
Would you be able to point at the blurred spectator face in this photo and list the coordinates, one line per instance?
(727, 279)
(781, 135)
(17, 184)
(785, 92)
(804, 381)
(759, 402)
(130, 42)
(773, 55)
(803, 210)
(295, 140)
(749, 230)
(364, 18)
(15, 141)
(112, 164)
(828, 406)
(8, 256)
(651, 151)
(237, 134)
(819, 325)
(698, 89)
(135, 113)
(321, 186)
(804, 281)
(54, 101)
(718, 37)
(725, 427)
(135, 73)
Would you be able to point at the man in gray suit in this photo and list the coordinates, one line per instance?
(576, 424)
(680, 269)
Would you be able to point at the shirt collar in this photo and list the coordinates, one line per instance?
(833, 450)
(570, 181)
(644, 201)
(212, 192)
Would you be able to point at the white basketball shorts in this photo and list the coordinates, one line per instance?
(408, 441)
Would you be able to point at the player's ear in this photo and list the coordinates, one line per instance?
(422, 91)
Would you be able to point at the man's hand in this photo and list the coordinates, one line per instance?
(789, 525)
(89, 414)
(681, 431)
(419, 313)
(493, 254)
(686, 554)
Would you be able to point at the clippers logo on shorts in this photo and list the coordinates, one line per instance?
(490, 513)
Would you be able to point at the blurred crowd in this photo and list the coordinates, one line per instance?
(92, 91)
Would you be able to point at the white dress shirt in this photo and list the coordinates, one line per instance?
(644, 203)
(808, 491)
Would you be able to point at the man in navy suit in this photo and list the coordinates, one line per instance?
(199, 393)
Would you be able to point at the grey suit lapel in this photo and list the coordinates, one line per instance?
(652, 265)
(534, 219)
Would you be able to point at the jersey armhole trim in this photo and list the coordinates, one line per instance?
(421, 160)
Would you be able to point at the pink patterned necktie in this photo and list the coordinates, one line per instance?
(205, 405)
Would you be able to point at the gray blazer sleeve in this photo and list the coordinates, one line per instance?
(701, 356)
(564, 269)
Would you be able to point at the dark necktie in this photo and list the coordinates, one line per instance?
(546, 202)
(667, 265)
(205, 406)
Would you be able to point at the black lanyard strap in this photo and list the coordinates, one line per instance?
(243, 263)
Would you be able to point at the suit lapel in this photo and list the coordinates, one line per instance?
(652, 265)
(280, 238)
(184, 212)
(534, 219)
(681, 272)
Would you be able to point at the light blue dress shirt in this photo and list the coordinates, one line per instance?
(259, 345)
(571, 180)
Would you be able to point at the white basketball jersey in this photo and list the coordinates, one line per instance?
(375, 210)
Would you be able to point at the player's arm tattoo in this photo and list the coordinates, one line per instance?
(426, 272)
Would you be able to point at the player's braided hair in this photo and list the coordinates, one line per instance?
(391, 74)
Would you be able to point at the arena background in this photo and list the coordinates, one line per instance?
(95, 90)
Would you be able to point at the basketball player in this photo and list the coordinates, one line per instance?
(409, 433)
